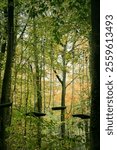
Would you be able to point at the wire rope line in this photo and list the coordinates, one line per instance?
(72, 83)
(50, 88)
(52, 74)
(87, 81)
(43, 68)
(50, 78)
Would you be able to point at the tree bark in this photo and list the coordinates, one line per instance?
(3, 44)
(6, 87)
(95, 76)
(63, 93)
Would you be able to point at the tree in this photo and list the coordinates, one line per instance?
(38, 68)
(6, 86)
(3, 40)
(95, 76)
(63, 84)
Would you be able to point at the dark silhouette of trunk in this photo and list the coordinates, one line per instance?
(3, 44)
(6, 86)
(63, 93)
(95, 76)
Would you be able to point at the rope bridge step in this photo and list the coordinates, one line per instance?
(59, 108)
(5, 105)
(82, 116)
(35, 114)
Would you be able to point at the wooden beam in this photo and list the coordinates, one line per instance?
(5, 105)
(82, 116)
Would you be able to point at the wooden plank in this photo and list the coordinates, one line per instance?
(5, 105)
(82, 116)
(59, 108)
(35, 114)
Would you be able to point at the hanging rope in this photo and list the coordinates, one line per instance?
(40, 84)
(72, 82)
(82, 87)
(72, 101)
(43, 68)
(53, 85)
(50, 88)
(51, 78)
(22, 44)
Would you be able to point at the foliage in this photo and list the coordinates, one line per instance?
(50, 134)
(43, 30)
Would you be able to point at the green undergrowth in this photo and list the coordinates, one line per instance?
(26, 131)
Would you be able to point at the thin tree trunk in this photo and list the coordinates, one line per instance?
(63, 93)
(63, 104)
(95, 76)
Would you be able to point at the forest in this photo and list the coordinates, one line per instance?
(49, 75)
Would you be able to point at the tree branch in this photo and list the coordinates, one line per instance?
(21, 35)
(58, 76)
(71, 81)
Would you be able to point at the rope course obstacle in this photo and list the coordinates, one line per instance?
(82, 116)
(85, 71)
(59, 108)
(5, 105)
(39, 83)
(35, 114)
(39, 80)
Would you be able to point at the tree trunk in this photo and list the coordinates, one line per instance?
(38, 83)
(3, 45)
(6, 86)
(63, 93)
(95, 76)
(63, 104)
(38, 70)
